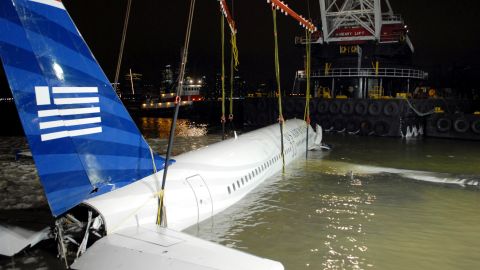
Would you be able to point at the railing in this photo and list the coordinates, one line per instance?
(392, 18)
(367, 72)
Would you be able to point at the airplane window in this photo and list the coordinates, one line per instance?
(256, 172)
(233, 185)
(243, 183)
(238, 183)
(229, 191)
(250, 176)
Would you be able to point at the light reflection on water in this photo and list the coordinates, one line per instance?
(160, 127)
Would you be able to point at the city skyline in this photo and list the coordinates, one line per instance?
(442, 34)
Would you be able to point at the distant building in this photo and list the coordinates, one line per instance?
(167, 83)
(239, 87)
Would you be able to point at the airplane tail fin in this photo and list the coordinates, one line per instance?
(82, 138)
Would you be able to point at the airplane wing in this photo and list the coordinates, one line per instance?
(152, 247)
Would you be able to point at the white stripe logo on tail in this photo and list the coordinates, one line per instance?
(63, 96)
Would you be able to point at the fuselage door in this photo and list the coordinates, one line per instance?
(202, 197)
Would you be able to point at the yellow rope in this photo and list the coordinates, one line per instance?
(160, 194)
(160, 198)
(233, 67)
(306, 116)
(277, 74)
(233, 42)
(308, 65)
(223, 66)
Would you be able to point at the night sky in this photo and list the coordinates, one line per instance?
(443, 34)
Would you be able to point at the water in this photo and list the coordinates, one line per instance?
(365, 205)
(371, 203)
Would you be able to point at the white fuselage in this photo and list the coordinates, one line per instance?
(204, 182)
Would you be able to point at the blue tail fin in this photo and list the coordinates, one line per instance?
(83, 140)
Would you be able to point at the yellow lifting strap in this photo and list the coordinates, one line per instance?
(281, 121)
(306, 116)
(233, 67)
(233, 42)
(160, 194)
(223, 75)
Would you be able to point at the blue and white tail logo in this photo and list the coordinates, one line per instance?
(83, 140)
(62, 98)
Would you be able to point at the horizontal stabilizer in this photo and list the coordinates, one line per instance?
(14, 239)
(161, 248)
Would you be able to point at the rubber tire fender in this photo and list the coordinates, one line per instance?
(391, 109)
(322, 107)
(381, 128)
(461, 125)
(375, 108)
(339, 124)
(476, 126)
(352, 125)
(444, 124)
(361, 108)
(347, 107)
(365, 127)
(334, 107)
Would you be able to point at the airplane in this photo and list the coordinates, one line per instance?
(100, 176)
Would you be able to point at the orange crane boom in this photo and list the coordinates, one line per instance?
(226, 13)
(279, 5)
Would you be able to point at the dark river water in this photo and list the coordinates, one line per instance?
(370, 203)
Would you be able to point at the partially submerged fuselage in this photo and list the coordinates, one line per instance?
(204, 182)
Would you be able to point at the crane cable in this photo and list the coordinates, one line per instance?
(306, 116)
(222, 119)
(160, 194)
(281, 120)
(122, 45)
